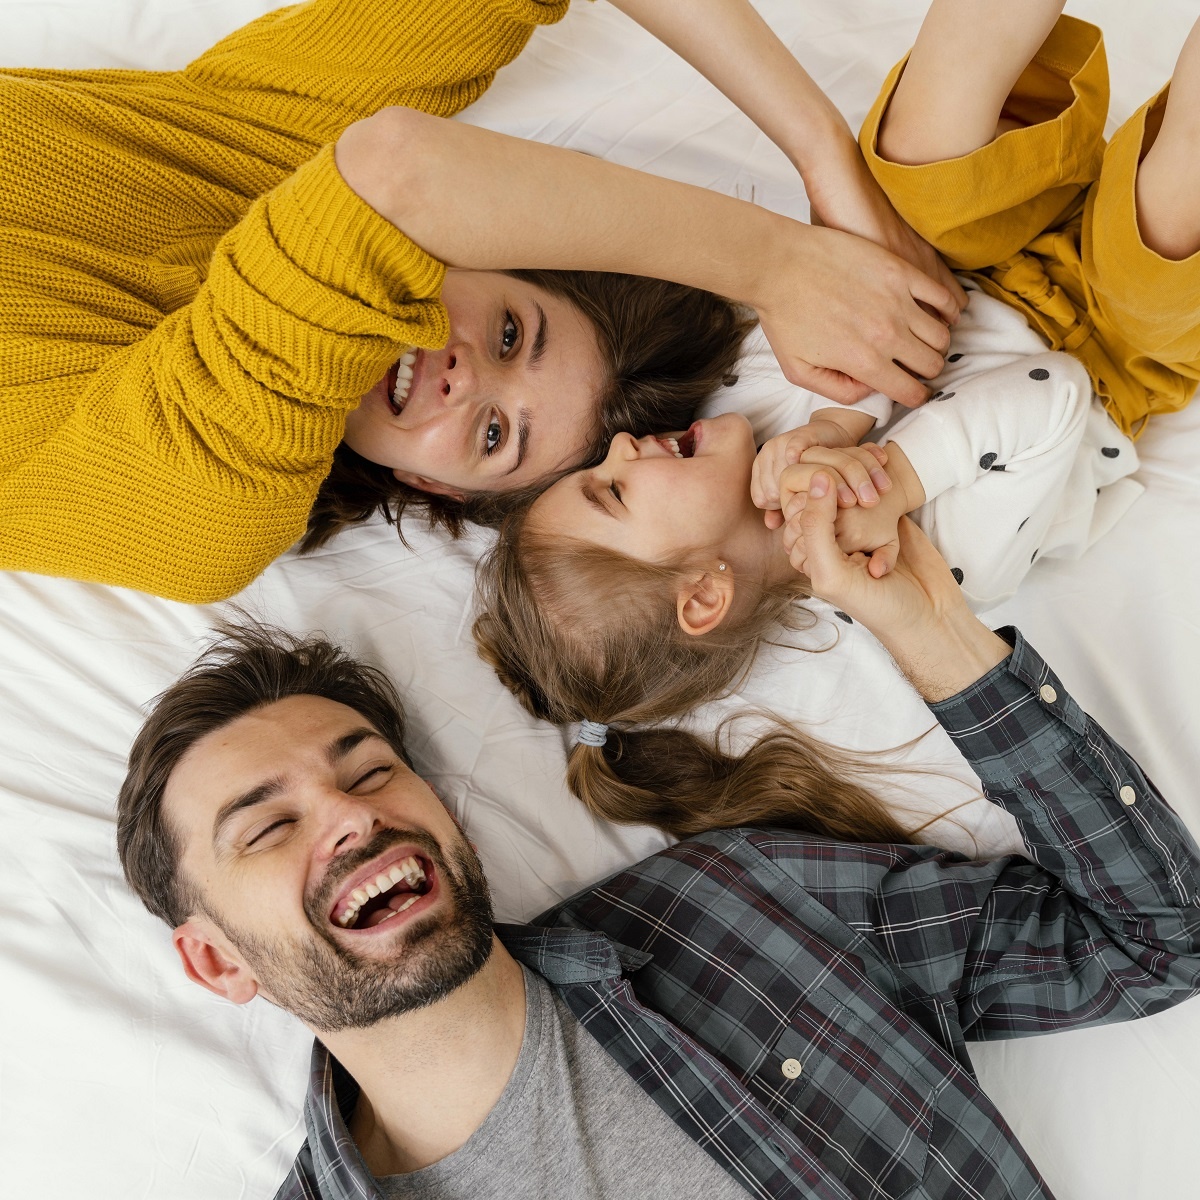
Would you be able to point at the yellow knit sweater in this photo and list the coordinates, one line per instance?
(191, 298)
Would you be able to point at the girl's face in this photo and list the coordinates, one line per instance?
(509, 400)
(645, 502)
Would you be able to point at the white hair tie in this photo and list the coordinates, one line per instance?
(591, 733)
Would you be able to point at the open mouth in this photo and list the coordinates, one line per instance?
(399, 380)
(384, 895)
(681, 445)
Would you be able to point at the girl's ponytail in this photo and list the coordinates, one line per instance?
(686, 784)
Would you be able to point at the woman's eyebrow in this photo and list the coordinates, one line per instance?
(538, 347)
(523, 426)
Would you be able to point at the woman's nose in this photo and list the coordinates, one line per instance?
(458, 379)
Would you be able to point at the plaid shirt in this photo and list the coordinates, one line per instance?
(801, 1007)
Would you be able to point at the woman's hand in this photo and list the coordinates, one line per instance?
(843, 194)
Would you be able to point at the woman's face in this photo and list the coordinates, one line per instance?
(646, 502)
(509, 400)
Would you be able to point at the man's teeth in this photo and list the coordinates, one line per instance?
(404, 374)
(673, 446)
(408, 871)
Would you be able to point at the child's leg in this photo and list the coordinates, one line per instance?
(1168, 180)
(966, 59)
(988, 204)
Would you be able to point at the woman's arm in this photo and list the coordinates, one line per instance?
(731, 45)
(839, 312)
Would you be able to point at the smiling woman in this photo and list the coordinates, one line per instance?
(190, 324)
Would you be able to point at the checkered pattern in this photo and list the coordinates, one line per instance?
(707, 968)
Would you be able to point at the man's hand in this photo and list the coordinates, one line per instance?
(916, 610)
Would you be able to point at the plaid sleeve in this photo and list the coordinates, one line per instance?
(1100, 923)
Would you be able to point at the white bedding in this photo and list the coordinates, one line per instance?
(118, 1078)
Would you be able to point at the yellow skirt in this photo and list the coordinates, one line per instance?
(1043, 217)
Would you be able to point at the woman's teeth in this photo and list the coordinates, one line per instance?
(404, 374)
(408, 871)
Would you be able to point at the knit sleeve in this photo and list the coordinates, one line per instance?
(313, 68)
(193, 456)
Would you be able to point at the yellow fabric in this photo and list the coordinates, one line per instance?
(1043, 217)
(190, 296)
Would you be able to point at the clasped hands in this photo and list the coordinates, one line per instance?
(870, 502)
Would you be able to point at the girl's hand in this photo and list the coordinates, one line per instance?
(785, 451)
(872, 531)
(853, 471)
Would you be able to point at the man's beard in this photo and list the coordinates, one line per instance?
(331, 988)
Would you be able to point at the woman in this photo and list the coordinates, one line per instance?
(195, 293)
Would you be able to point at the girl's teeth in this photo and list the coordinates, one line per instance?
(674, 447)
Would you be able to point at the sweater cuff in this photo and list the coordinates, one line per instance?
(343, 240)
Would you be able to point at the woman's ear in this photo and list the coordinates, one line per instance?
(429, 485)
(210, 961)
(702, 603)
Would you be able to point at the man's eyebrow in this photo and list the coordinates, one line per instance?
(523, 423)
(256, 795)
(538, 348)
(341, 746)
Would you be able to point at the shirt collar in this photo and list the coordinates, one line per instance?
(562, 956)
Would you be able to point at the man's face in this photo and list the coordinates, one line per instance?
(329, 876)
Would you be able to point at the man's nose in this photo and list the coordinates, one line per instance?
(348, 822)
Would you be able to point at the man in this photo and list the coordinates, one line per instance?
(750, 1011)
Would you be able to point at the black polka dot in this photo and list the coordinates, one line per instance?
(1110, 451)
(937, 395)
(957, 573)
(986, 461)
(1022, 524)
(998, 467)
(841, 616)
(947, 395)
(954, 358)
(1039, 373)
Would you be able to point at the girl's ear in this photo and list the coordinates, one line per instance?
(701, 604)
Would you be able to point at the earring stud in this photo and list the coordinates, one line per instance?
(720, 566)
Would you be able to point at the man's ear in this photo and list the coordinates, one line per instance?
(703, 602)
(209, 960)
(429, 485)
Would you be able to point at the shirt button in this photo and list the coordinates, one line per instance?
(1047, 693)
(792, 1068)
(1128, 795)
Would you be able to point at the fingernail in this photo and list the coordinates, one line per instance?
(819, 486)
(867, 494)
(846, 496)
(880, 480)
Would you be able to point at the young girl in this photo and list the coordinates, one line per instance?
(631, 593)
(209, 276)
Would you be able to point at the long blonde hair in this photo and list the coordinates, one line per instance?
(576, 631)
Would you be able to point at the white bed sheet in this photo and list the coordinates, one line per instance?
(118, 1078)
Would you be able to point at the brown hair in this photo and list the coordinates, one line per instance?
(248, 666)
(665, 347)
(577, 631)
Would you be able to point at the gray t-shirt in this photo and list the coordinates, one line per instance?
(570, 1122)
